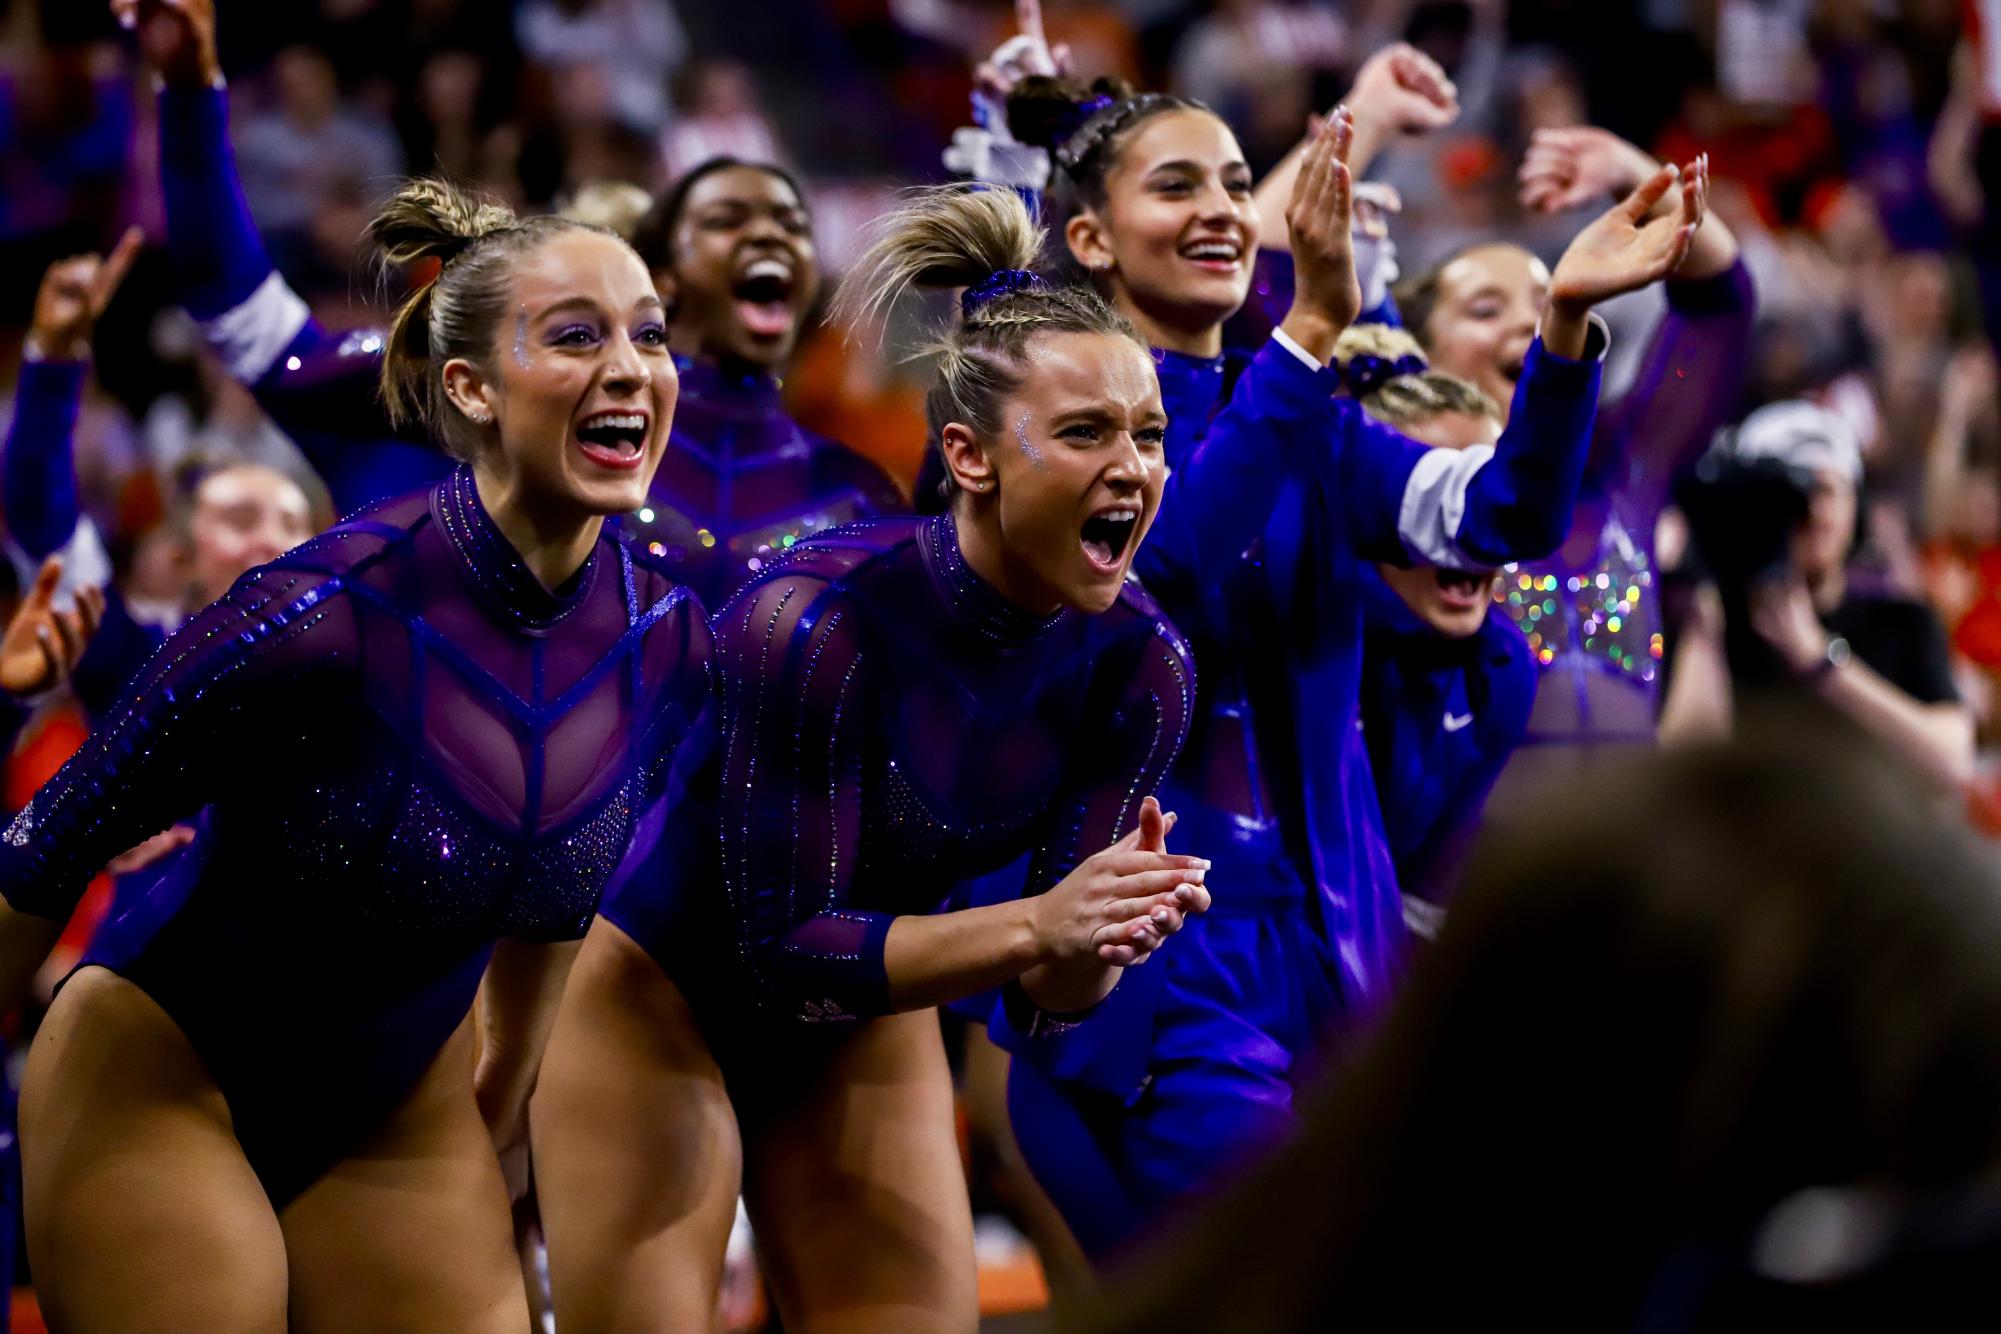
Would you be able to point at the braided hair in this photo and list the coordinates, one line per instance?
(981, 240)
(1385, 371)
(1083, 127)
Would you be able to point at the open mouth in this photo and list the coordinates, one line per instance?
(614, 439)
(1107, 534)
(1465, 589)
(1216, 253)
(763, 293)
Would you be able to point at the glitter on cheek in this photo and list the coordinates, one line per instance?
(521, 338)
(1028, 449)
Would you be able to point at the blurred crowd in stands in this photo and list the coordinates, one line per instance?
(1846, 137)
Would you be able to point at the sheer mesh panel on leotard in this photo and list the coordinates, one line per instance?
(889, 726)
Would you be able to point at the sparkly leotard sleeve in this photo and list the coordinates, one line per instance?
(888, 727)
(195, 708)
(407, 747)
(1691, 376)
(318, 386)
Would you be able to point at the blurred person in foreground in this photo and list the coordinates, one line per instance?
(1771, 515)
(1750, 1080)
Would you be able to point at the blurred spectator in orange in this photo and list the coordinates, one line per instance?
(848, 388)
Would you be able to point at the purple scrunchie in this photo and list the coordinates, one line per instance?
(1081, 112)
(1365, 374)
(1000, 283)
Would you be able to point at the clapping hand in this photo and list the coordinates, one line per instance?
(1633, 243)
(42, 645)
(1327, 295)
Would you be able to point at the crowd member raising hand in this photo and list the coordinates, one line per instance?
(234, 517)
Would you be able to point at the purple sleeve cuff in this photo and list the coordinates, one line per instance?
(38, 472)
(1032, 1021)
(218, 257)
(832, 967)
(1718, 294)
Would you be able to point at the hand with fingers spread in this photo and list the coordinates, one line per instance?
(1635, 243)
(73, 297)
(1326, 295)
(1398, 91)
(176, 36)
(1112, 912)
(42, 645)
(1580, 165)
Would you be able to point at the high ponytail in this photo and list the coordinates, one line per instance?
(457, 312)
(950, 236)
(981, 240)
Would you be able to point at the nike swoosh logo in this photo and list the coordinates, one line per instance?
(1454, 722)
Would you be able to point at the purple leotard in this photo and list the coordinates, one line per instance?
(889, 726)
(407, 748)
(742, 483)
(1591, 611)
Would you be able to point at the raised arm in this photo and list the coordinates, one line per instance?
(1693, 370)
(1479, 507)
(795, 708)
(1398, 91)
(38, 486)
(320, 388)
(248, 315)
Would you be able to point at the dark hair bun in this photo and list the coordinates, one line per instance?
(1045, 112)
